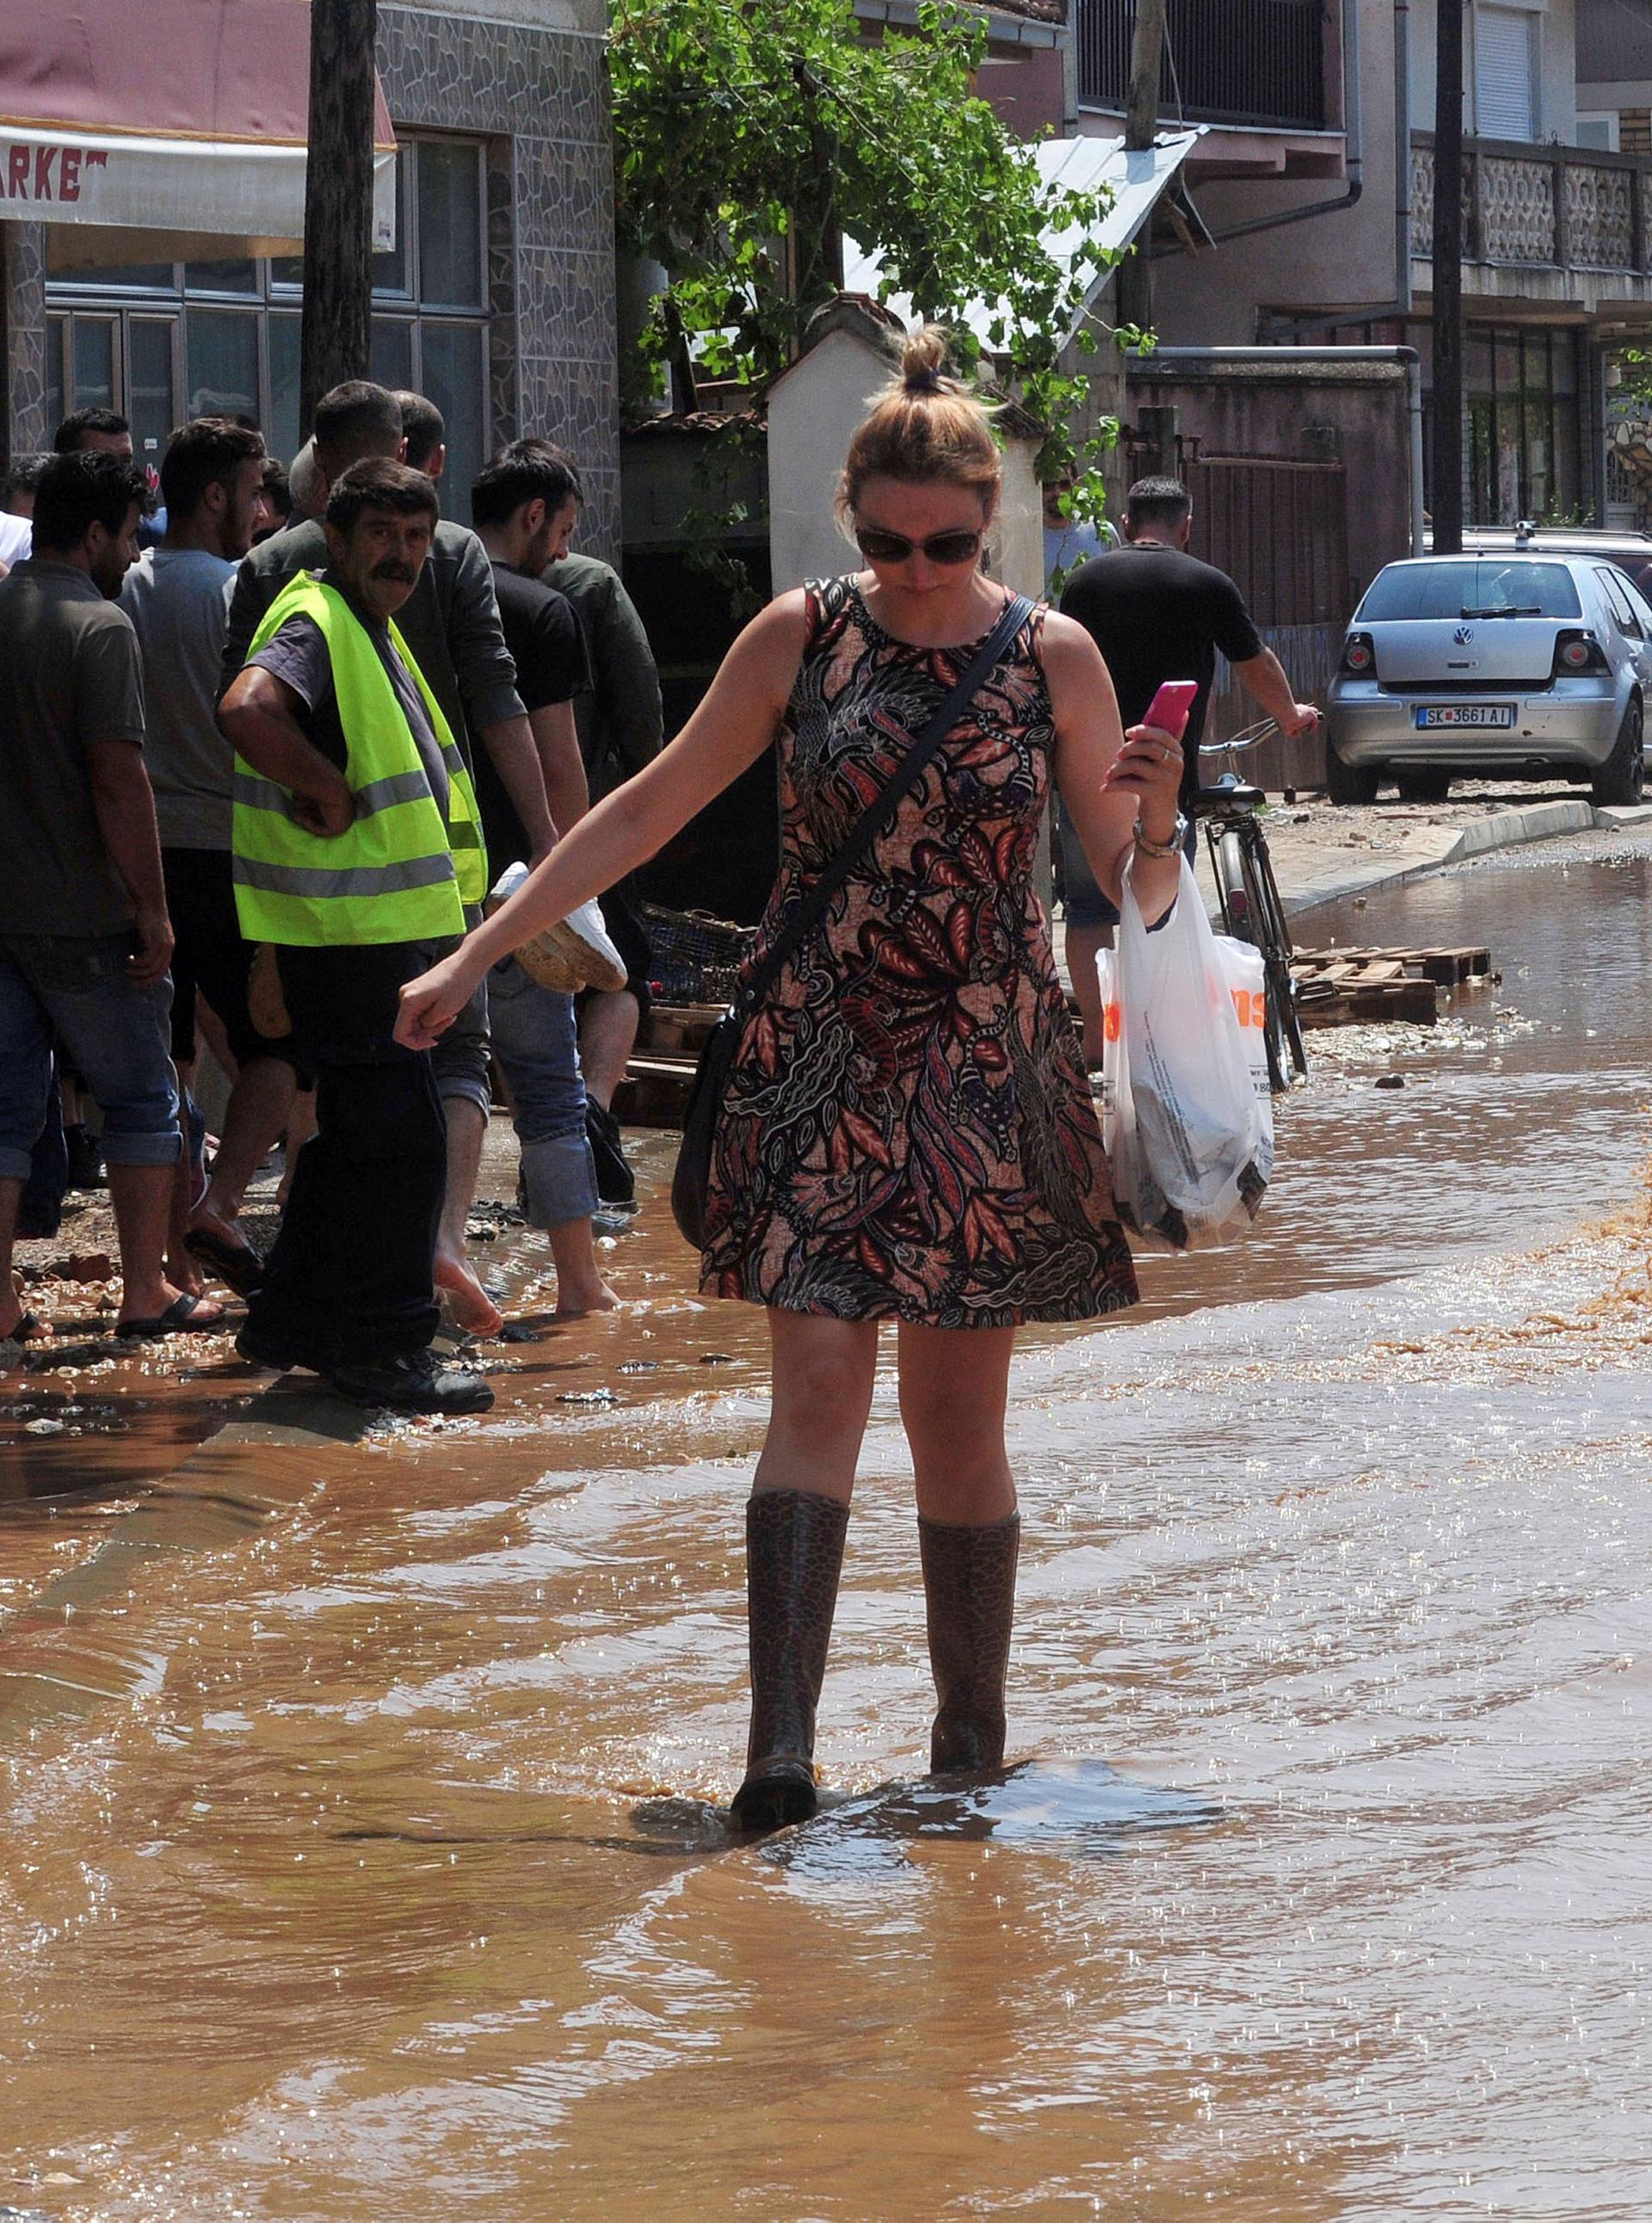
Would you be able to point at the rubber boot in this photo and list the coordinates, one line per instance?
(793, 1554)
(970, 1593)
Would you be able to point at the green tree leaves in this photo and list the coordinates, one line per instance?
(751, 134)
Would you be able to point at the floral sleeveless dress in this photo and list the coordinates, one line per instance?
(907, 1131)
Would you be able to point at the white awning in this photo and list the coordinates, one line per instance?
(183, 116)
(1131, 180)
(231, 190)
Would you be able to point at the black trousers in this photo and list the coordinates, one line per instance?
(349, 1278)
(210, 954)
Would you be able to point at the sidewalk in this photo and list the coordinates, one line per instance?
(1320, 852)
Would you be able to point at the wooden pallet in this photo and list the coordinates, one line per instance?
(1365, 987)
(1449, 968)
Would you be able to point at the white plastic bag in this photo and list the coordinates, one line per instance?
(1186, 1114)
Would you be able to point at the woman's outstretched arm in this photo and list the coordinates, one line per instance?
(729, 730)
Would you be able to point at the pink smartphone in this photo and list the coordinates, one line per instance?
(1172, 706)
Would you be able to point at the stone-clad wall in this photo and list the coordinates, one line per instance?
(540, 94)
(22, 334)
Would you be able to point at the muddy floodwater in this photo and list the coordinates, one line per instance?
(363, 1849)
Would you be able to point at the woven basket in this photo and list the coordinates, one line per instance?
(692, 957)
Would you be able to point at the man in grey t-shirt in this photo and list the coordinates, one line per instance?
(84, 937)
(177, 595)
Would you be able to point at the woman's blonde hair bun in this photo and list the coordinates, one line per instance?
(926, 424)
(923, 359)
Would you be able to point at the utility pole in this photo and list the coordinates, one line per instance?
(1448, 441)
(1140, 129)
(334, 337)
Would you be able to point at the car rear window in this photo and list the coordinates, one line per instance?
(1445, 589)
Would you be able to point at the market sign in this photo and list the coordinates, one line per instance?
(99, 129)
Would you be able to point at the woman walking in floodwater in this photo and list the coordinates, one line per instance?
(907, 1132)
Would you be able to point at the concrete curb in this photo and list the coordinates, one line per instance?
(1438, 846)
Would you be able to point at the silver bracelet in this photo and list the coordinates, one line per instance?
(1162, 849)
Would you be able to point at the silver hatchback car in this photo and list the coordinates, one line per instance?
(1491, 666)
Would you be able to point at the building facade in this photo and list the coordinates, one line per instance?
(497, 299)
(1558, 227)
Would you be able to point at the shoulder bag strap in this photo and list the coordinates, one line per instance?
(806, 915)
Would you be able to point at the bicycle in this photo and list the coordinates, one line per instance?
(1249, 895)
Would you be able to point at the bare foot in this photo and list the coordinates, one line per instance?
(472, 1308)
(185, 1276)
(574, 1303)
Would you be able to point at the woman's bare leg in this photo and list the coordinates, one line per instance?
(954, 1391)
(823, 1373)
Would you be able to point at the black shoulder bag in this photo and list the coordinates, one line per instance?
(693, 1176)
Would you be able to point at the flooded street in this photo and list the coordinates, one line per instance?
(363, 1857)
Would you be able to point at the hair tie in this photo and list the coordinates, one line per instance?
(922, 381)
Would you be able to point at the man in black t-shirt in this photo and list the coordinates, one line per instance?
(523, 507)
(1156, 614)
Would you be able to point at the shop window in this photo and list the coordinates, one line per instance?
(94, 363)
(221, 351)
(166, 341)
(225, 275)
(448, 190)
(281, 425)
(63, 265)
(451, 376)
(150, 400)
(393, 353)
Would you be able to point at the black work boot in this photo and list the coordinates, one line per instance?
(793, 1554)
(970, 1595)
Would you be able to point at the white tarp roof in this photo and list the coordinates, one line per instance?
(1135, 178)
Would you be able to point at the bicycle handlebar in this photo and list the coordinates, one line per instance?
(1248, 737)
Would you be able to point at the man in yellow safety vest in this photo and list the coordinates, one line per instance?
(357, 844)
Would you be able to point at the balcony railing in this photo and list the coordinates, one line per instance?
(1557, 208)
(1257, 62)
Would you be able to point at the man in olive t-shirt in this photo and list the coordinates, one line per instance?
(84, 938)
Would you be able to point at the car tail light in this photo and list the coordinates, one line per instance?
(1576, 652)
(1360, 654)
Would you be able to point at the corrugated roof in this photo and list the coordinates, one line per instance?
(1134, 180)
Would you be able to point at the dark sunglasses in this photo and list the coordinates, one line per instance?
(946, 548)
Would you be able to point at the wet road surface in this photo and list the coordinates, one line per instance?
(389, 1878)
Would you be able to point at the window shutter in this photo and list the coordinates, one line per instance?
(1506, 104)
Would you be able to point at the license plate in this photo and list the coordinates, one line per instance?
(1430, 716)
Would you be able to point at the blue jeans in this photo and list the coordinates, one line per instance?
(117, 1036)
(460, 1058)
(537, 1047)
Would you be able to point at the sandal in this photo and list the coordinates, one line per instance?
(178, 1316)
(237, 1265)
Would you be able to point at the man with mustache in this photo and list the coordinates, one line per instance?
(357, 845)
(451, 625)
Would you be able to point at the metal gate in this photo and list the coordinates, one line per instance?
(1280, 527)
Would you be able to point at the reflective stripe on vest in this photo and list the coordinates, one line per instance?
(400, 872)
